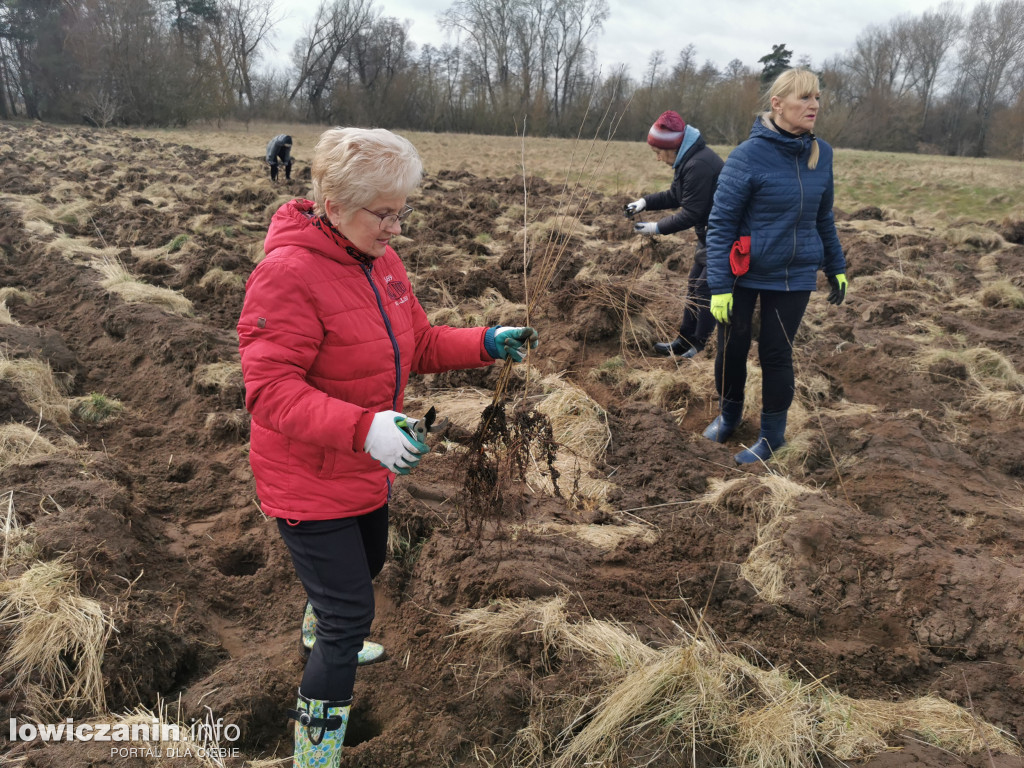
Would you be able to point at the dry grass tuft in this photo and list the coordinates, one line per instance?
(693, 697)
(14, 540)
(1001, 293)
(766, 564)
(767, 498)
(233, 424)
(38, 387)
(219, 281)
(144, 727)
(577, 421)
(672, 387)
(96, 408)
(447, 316)
(763, 497)
(996, 385)
(893, 281)
(490, 308)
(119, 280)
(217, 376)
(10, 295)
(580, 428)
(21, 445)
(975, 236)
(57, 637)
(6, 318)
(554, 229)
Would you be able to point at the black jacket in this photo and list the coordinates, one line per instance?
(692, 190)
(279, 149)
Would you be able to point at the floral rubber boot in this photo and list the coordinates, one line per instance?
(370, 653)
(319, 732)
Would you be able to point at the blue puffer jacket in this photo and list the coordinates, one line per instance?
(767, 191)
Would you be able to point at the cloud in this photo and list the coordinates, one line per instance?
(719, 31)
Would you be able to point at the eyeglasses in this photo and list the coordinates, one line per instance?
(390, 219)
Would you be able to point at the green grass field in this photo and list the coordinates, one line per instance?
(928, 188)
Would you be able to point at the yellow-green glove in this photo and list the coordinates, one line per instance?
(838, 292)
(721, 307)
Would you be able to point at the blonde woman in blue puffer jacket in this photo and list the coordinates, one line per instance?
(771, 230)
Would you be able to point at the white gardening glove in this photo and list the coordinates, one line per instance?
(646, 228)
(395, 448)
(632, 209)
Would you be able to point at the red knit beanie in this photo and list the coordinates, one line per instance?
(667, 131)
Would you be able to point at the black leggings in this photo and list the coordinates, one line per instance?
(698, 323)
(336, 561)
(781, 314)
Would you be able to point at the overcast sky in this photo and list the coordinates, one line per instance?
(720, 31)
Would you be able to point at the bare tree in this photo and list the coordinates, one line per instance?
(248, 25)
(731, 108)
(930, 39)
(572, 25)
(317, 53)
(879, 83)
(375, 63)
(490, 29)
(992, 57)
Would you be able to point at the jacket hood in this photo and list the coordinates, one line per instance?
(762, 129)
(691, 141)
(296, 224)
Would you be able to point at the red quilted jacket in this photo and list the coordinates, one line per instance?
(326, 342)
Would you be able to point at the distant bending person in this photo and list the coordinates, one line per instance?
(771, 230)
(279, 152)
(693, 188)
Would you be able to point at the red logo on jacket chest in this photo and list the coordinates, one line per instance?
(396, 289)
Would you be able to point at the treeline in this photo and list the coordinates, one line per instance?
(946, 81)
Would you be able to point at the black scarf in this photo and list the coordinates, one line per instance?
(324, 225)
(789, 135)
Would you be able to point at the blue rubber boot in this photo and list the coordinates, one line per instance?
(319, 732)
(370, 653)
(773, 431)
(726, 422)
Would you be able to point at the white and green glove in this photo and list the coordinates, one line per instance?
(394, 447)
(632, 209)
(506, 342)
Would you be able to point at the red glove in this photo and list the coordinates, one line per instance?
(739, 256)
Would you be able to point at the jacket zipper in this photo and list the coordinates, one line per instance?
(394, 345)
(391, 335)
(799, 215)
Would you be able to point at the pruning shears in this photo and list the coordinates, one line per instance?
(419, 428)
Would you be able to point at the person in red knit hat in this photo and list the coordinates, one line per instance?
(693, 188)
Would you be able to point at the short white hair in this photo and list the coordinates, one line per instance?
(354, 166)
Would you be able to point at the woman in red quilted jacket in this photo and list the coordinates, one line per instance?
(329, 334)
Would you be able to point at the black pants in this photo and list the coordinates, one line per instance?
(287, 170)
(698, 322)
(336, 561)
(781, 314)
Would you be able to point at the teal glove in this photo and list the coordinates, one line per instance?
(838, 292)
(506, 342)
(721, 307)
